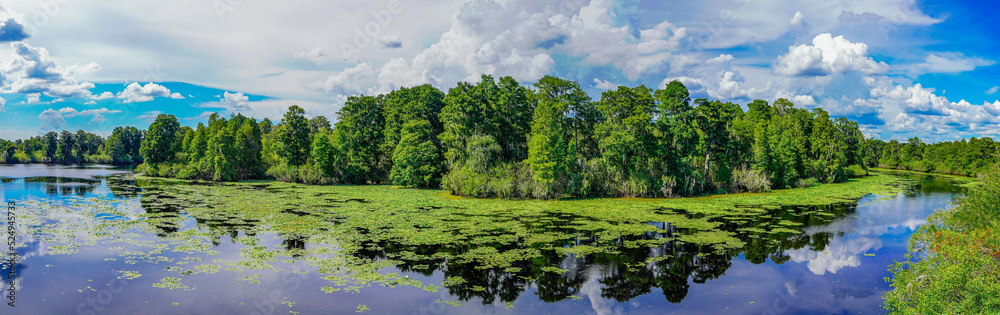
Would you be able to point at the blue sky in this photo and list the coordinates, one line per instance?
(902, 68)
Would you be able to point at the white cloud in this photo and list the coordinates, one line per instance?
(351, 81)
(102, 96)
(149, 117)
(56, 119)
(3, 104)
(728, 23)
(717, 78)
(950, 62)
(12, 27)
(33, 98)
(235, 101)
(316, 55)
(993, 90)
(51, 120)
(31, 70)
(604, 85)
(828, 55)
(137, 93)
(798, 19)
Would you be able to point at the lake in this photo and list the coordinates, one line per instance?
(98, 240)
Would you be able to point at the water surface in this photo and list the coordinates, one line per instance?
(94, 240)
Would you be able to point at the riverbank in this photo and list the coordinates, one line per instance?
(954, 261)
(966, 181)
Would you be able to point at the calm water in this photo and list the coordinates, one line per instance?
(92, 241)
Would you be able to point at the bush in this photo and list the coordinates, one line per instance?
(855, 171)
(99, 159)
(957, 265)
(749, 180)
(306, 174)
(806, 182)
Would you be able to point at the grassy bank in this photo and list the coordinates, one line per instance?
(965, 181)
(954, 265)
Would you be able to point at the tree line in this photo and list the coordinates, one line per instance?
(499, 138)
(122, 147)
(966, 157)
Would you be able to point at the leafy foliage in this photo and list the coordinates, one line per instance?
(955, 265)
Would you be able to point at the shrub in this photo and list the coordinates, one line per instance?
(957, 265)
(750, 180)
(855, 171)
(806, 182)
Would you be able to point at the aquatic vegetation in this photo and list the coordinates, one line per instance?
(491, 250)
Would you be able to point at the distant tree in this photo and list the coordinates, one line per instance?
(51, 144)
(417, 160)
(266, 126)
(248, 150)
(325, 153)
(66, 144)
(360, 131)
(407, 105)
(295, 137)
(713, 119)
(678, 135)
(318, 124)
(553, 148)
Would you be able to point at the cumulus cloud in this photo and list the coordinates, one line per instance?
(798, 19)
(33, 98)
(102, 96)
(12, 27)
(235, 101)
(719, 80)
(519, 39)
(949, 62)
(828, 55)
(604, 85)
(351, 81)
(137, 93)
(31, 70)
(316, 55)
(56, 119)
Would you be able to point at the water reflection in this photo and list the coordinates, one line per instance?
(658, 265)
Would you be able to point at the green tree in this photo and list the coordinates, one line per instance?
(64, 151)
(360, 131)
(162, 141)
(555, 135)
(295, 137)
(417, 160)
(325, 153)
(714, 120)
(407, 105)
(627, 140)
(678, 137)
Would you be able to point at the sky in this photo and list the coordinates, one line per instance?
(901, 68)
